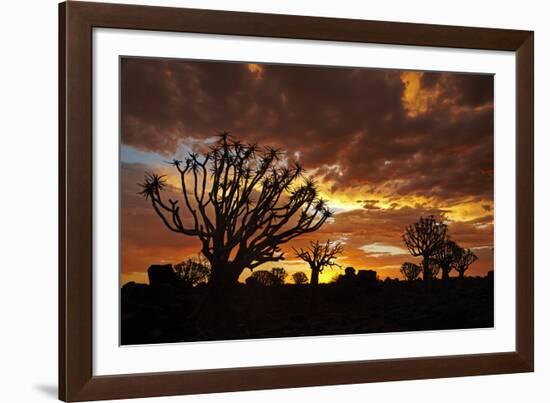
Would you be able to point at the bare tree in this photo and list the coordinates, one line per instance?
(447, 257)
(424, 238)
(410, 271)
(242, 202)
(279, 275)
(320, 255)
(299, 278)
(466, 258)
(193, 271)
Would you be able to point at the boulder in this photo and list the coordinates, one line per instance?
(367, 276)
(160, 274)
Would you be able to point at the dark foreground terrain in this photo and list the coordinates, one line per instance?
(160, 313)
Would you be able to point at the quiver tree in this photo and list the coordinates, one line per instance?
(299, 278)
(466, 258)
(319, 256)
(242, 202)
(410, 271)
(447, 257)
(424, 238)
(193, 271)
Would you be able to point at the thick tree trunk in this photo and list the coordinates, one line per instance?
(313, 286)
(214, 304)
(314, 277)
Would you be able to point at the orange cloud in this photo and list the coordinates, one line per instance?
(416, 98)
(256, 70)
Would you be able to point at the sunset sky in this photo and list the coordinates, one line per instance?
(385, 147)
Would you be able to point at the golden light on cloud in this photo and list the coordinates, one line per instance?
(467, 211)
(378, 249)
(416, 99)
(256, 70)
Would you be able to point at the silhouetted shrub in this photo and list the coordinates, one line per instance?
(279, 275)
(349, 271)
(192, 271)
(410, 271)
(299, 278)
(263, 277)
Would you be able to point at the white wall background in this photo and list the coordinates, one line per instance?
(28, 199)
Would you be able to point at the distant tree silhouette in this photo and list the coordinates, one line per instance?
(263, 277)
(410, 271)
(192, 271)
(447, 257)
(424, 238)
(279, 275)
(276, 276)
(467, 257)
(241, 202)
(320, 255)
(299, 278)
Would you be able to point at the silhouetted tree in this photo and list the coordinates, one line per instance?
(410, 271)
(263, 277)
(241, 202)
(279, 275)
(318, 256)
(299, 278)
(424, 238)
(447, 257)
(467, 257)
(192, 271)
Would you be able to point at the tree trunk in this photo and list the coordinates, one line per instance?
(313, 286)
(213, 306)
(314, 277)
(426, 275)
(445, 273)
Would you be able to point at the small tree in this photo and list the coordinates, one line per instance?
(424, 238)
(279, 275)
(467, 257)
(299, 278)
(447, 257)
(410, 271)
(193, 271)
(263, 277)
(320, 255)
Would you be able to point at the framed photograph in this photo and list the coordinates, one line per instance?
(253, 201)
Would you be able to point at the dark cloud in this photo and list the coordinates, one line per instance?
(352, 119)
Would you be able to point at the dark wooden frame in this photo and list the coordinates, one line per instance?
(76, 21)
